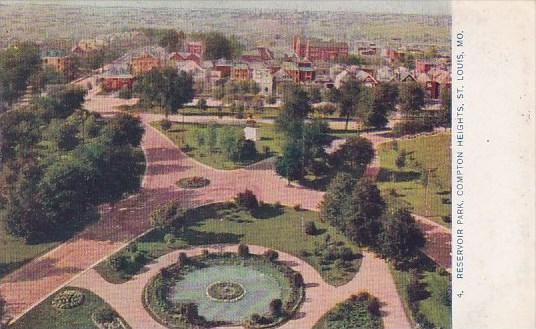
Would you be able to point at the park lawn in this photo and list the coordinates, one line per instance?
(422, 152)
(432, 307)
(181, 135)
(15, 252)
(270, 226)
(46, 316)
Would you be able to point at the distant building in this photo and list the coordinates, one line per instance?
(302, 71)
(264, 79)
(144, 63)
(240, 72)
(184, 56)
(223, 66)
(316, 49)
(116, 78)
(58, 60)
(195, 47)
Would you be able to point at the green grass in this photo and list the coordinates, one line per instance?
(16, 252)
(46, 316)
(271, 227)
(432, 307)
(181, 135)
(350, 314)
(423, 152)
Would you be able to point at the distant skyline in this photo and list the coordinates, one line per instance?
(419, 7)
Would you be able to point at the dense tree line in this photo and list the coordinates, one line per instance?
(305, 142)
(17, 65)
(59, 162)
(356, 208)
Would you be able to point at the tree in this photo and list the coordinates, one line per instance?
(247, 200)
(336, 200)
(165, 88)
(171, 40)
(243, 250)
(315, 141)
(290, 164)
(411, 98)
(364, 212)
(169, 216)
(124, 129)
(17, 64)
(62, 134)
(401, 237)
(351, 102)
(217, 45)
(2, 310)
(229, 142)
(384, 98)
(353, 156)
(446, 107)
(202, 104)
(62, 101)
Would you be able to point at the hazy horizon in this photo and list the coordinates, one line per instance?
(435, 7)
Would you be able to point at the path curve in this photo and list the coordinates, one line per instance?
(373, 276)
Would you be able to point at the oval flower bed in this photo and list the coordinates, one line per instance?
(68, 299)
(193, 182)
(224, 289)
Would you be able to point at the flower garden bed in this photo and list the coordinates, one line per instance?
(193, 182)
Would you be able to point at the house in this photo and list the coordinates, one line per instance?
(423, 66)
(434, 82)
(240, 72)
(300, 72)
(144, 63)
(264, 79)
(58, 60)
(316, 49)
(195, 47)
(223, 66)
(184, 56)
(116, 77)
(359, 75)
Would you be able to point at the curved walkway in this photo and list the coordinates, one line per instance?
(373, 276)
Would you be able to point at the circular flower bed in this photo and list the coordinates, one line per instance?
(68, 299)
(193, 182)
(226, 291)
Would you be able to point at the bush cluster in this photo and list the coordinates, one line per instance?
(193, 182)
(247, 200)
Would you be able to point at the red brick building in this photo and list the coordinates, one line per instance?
(195, 47)
(315, 49)
(241, 72)
(423, 66)
(144, 63)
(180, 56)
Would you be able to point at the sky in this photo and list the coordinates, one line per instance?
(422, 7)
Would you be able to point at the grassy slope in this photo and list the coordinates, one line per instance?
(423, 152)
(45, 316)
(273, 228)
(432, 307)
(217, 160)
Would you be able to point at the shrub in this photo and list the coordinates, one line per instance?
(363, 296)
(125, 93)
(412, 127)
(182, 259)
(278, 205)
(169, 238)
(243, 250)
(105, 315)
(276, 307)
(347, 254)
(255, 318)
(400, 160)
(117, 262)
(373, 306)
(167, 216)
(205, 252)
(272, 255)
(137, 258)
(297, 207)
(165, 124)
(446, 219)
(297, 279)
(266, 150)
(193, 182)
(132, 247)
(247, 200)
(68, 299)
(247, 148)
(310, 228)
